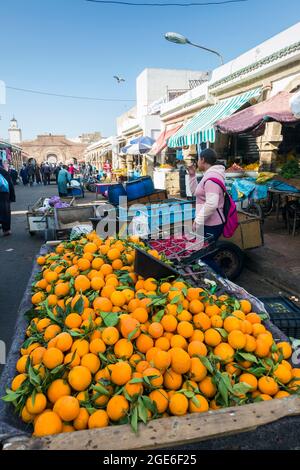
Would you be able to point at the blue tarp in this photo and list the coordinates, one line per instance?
(243, 188)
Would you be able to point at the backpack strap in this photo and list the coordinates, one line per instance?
(222, 186)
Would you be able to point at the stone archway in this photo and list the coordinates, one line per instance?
(52, 158)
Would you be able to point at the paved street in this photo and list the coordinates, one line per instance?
(19, 250)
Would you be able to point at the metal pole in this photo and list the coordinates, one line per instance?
(209, 50)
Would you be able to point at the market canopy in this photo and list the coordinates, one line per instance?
(254, 118)
(162, 139)
(201, 127)
(138, 146)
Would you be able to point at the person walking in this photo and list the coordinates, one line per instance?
(13, 174)
(31, 173)
(64, 177)
(71, 170)
(24, 174)
(7, 195)
(38, 177)
(46, 173)
(56, 172)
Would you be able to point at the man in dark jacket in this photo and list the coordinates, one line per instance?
(5, 199)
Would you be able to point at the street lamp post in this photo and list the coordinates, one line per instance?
(180, 39)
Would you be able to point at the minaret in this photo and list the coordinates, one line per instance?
(14, 132)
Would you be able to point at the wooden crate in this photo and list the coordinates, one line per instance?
(167, 432)
(249, 232)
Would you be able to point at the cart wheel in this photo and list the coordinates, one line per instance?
(230, 258)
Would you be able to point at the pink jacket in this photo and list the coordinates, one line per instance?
(209, 197)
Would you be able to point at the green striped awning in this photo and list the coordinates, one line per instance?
(201, 127)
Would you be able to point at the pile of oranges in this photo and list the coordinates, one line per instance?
(105, 346)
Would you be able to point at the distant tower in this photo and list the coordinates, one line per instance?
(15, 134)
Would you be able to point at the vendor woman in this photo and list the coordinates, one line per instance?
(7, 195)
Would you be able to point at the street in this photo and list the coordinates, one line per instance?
(19, 250)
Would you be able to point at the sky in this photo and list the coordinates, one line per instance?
(75, 47)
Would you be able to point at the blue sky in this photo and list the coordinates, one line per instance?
(75, 47)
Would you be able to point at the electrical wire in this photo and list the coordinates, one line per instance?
(67, 96)
(192, 4)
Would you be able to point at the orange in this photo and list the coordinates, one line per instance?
(178, 341)
(196, 306)
(117, 407)
(73, 320)
(281, 394)
(97, 283)
(86, 302)
(67, 408)
(197, 370)
(154, 375)
(169, 323)
(178, 404)
(239, 314)
(225, 352)
(250, 345)
(38, 298)
(81, 346)
(231, 323)
(155, 330)
(202, 321)
(47, 423)
(88, 314)
(52, 358)
(253, 318)
(258, 329)
(193, 293)
(262, 348)
(102, 304)
(106, 269)
(121, 373)
(129, 326)
(83, 264)
(151, 353)
(171, 309)
(17, 381)
(112, 281)
(50, 276)
(37, 355)
(172, 380)
(134, 360)
(246, 327)
(295, 372)
(162, 360)
(81, 422)
(129, 295)
(141, 366)
(165, 287)
(64, 341)
(61, 290)
(118, 299)
(162, 342)
(212, 337)
(144, 343)
(197, 347)
(160, 398)
(57, 389)
(198, 335)
(90, 248)
(97, 263)
(245, 306)
(140, 314)
(41, 260)
(185, 315)
(249, 379)
(285, 348)
(26, 416)
(207, 387)
(232, 369)
(123, 348)
(185, 329)
(283, 374)
(36, 404)
(79, 378)
(134, 389)
(82, 283)
(180, 360)
(237, 339)
(199, 407)
(52, 299)
(91, 361)
(267, 385)
(110, 335)
(99, 419)
(150, 284)
(216, 321)
(212, 310)
(97, 345)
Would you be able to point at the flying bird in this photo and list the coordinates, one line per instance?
(119, 79)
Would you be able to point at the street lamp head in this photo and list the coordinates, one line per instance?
(176, 38)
